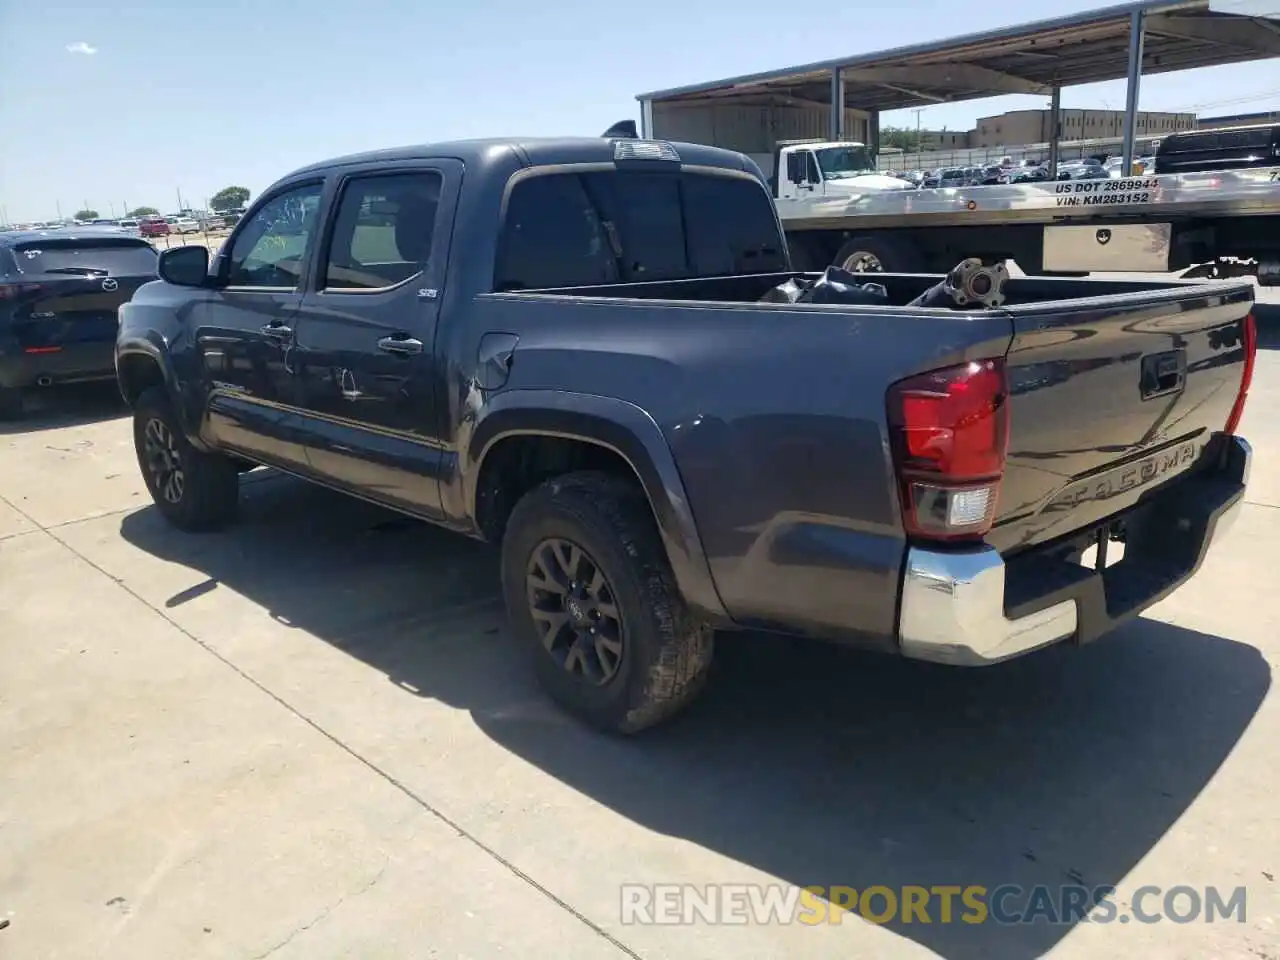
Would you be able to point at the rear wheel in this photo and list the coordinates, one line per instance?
(592, 598)
(192, 489)
(875, 254)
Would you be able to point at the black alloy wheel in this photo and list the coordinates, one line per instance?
(193, 489)
(164, 461)
(575, 611)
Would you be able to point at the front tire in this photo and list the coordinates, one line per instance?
(591, 597)
(193, 490)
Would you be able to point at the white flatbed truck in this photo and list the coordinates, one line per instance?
(836, 209)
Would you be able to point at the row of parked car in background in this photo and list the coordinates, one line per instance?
(156, 225)
(1029, 170)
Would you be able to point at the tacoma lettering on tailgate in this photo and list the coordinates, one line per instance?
(1160, 466)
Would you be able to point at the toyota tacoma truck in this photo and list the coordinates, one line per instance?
(569, 347)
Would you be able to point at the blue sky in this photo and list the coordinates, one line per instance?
(193, 95)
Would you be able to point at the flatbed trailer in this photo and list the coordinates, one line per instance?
(1222, 223)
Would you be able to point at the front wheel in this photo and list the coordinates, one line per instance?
(592, 598)
(192, 489)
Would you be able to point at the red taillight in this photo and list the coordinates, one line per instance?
(950, 432)
(1249, 340)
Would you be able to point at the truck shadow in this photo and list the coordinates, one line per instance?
(813, 764)
(70, 405)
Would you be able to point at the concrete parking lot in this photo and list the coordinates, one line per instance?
(309, 736)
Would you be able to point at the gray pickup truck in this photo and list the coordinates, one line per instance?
(567, 347)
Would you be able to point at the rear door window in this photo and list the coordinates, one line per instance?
(107, 257)
(382, 231)
(566, 230)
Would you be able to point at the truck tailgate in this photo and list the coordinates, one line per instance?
(1112, 397)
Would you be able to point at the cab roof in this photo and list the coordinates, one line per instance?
(528, 151)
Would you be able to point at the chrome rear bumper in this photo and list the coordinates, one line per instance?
(953, 602)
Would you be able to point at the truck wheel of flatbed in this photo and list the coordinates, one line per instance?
(591, 596)
(872, 254)
(193, 490)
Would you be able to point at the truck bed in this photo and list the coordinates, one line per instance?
(1106, 377)
(902, 288)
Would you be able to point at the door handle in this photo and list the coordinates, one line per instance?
(401, 345)
(277, 331)
(1163, 373)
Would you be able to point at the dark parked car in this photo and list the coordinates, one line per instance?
(1025, 175)
(567, 353)
(1234, 148)
(59, 293)
(1082, 170)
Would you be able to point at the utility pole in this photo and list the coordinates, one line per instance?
(179, 189)
(919, 146)
(58, 205)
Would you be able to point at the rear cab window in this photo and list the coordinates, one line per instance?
(108, 256)
(569, 229)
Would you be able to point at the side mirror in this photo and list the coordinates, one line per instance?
(185, 266)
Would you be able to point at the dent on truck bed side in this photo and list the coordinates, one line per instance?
(626, 430)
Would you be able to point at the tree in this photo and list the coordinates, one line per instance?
(229, 198)
(144, 212)
(906, 140)
(87, 215)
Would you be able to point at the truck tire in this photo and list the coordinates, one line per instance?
(868, 253)
(193, 490)
(592, 598)
(10, 403)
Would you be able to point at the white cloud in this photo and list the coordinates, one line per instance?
(81, 47)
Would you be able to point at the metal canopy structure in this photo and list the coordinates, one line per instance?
(1150, 36)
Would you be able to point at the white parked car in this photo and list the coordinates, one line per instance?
(182, 225)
